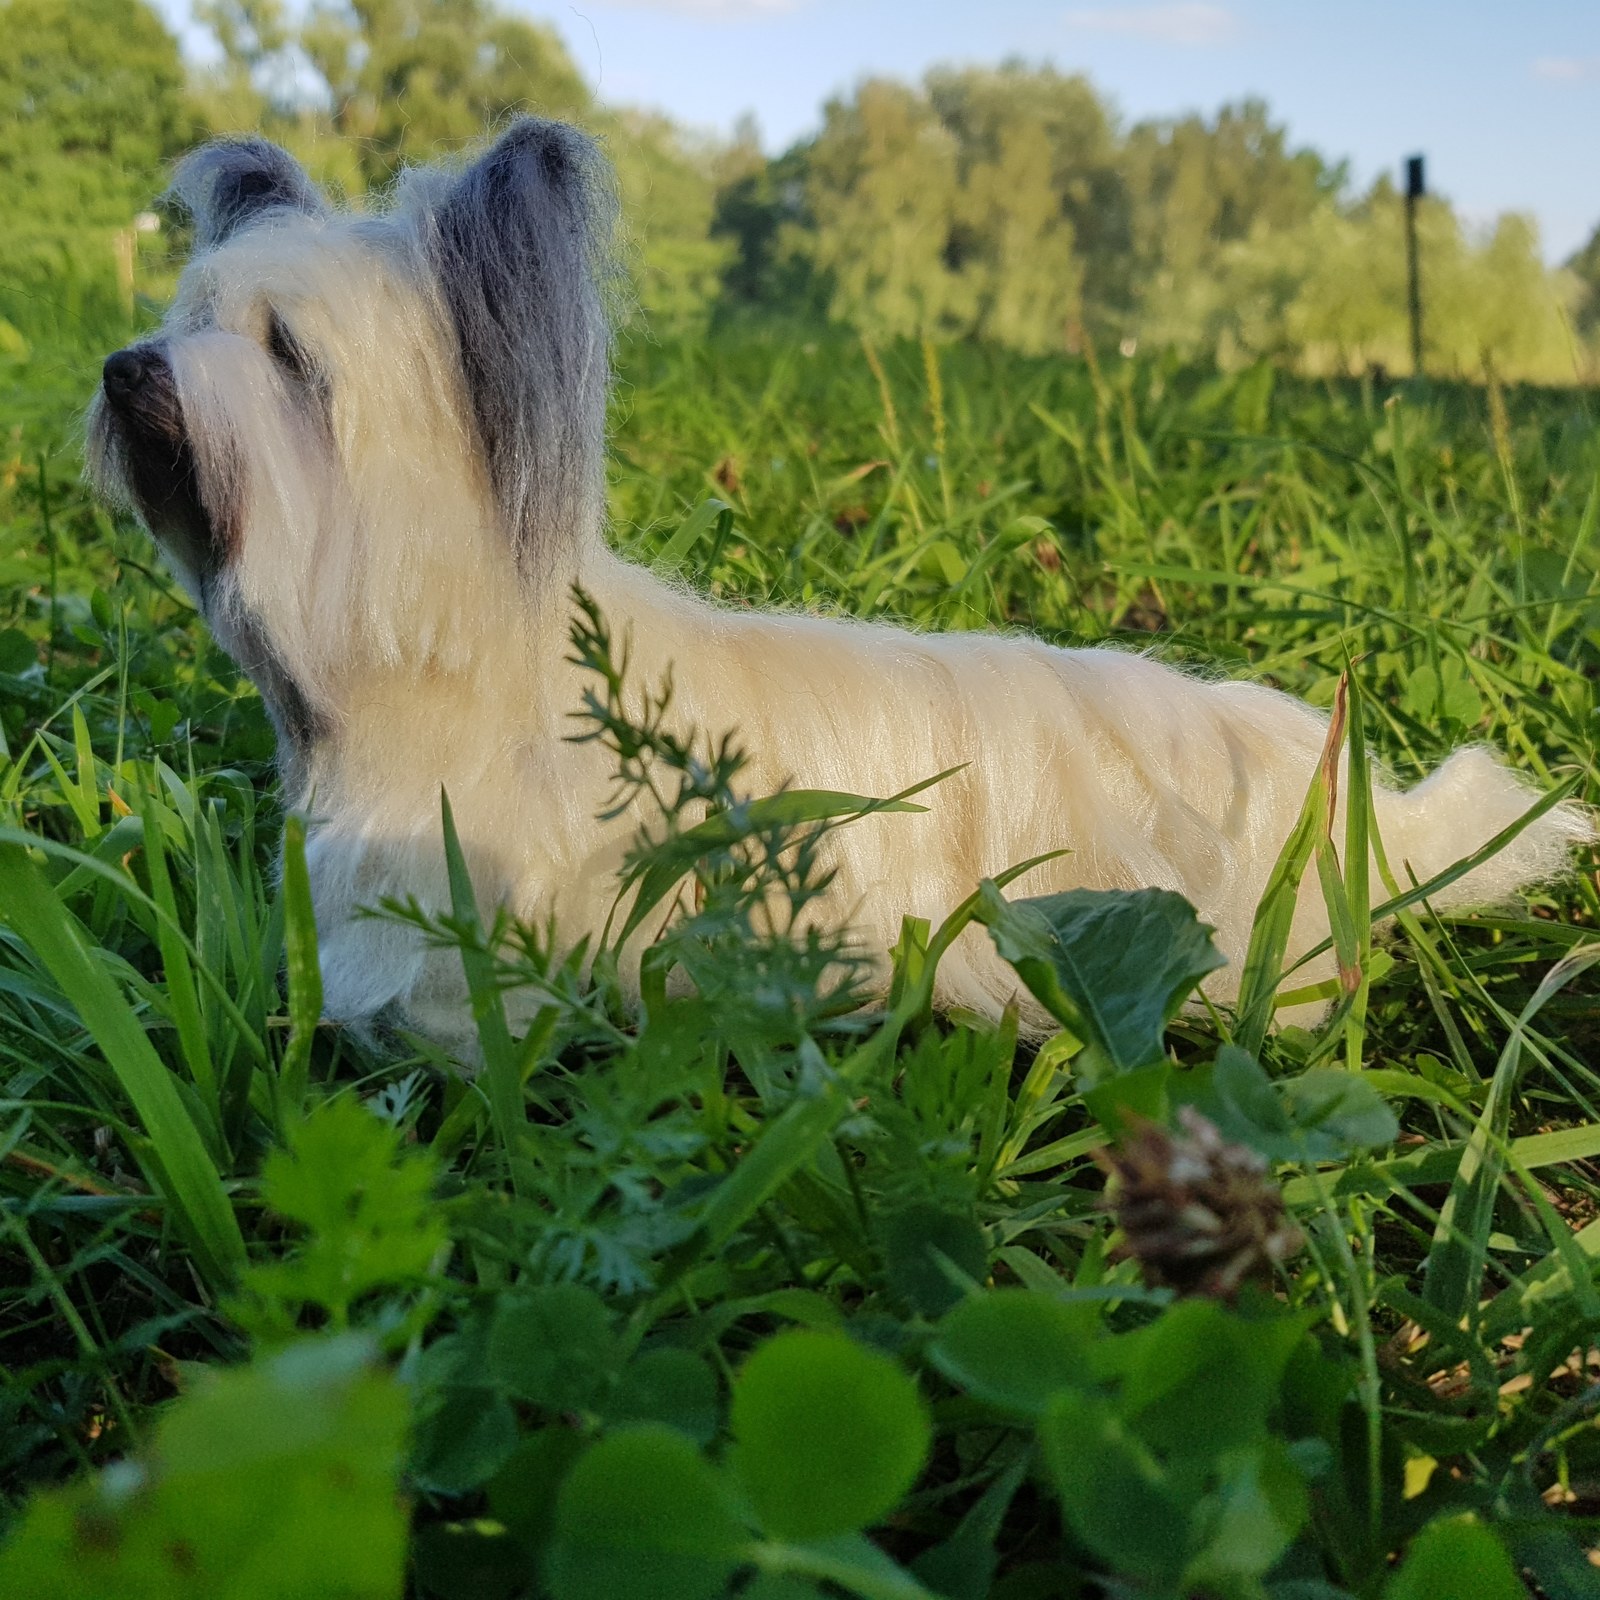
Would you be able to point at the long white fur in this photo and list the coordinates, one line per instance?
(372, 557)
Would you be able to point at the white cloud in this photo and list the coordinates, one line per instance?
(1186, 22)
(715, 10)
(1567, 69)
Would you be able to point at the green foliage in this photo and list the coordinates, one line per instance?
(611, 1299)
(91, 108)
(401, 80)
(1323, 1114)
(270, 1481)
(827, 1436)
(1006, 205)
(1455, 1556)
(1087, 955)
(367, 1216)
(643, 1516)
(174, 1153)
(665, 179)
(1014, 1349)
(1585, 267)
(1177, 1475)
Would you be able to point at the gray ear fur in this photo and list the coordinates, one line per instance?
(521, 243)
(230, 182)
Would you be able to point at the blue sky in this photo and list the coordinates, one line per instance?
(1503, 96)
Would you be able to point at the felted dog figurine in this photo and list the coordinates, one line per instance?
(373, 449)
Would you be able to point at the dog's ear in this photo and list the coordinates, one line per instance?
(228, 183)
(522, 245)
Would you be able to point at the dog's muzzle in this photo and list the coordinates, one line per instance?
(124, 375)
(142, 393)
(142, 406)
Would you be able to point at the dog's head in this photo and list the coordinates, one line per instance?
(362, 440)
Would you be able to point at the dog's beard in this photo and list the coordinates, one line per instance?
(141, 455)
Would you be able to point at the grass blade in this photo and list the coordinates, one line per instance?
(1358, 866)
(1453, 1272)
(183, 999)
(304, 973)
(185, 1171)
(501, 1075)
(1274, 919)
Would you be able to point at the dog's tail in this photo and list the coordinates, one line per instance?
(1459, 809)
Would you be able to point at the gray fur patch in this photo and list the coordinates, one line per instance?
(522, 247)
(230, 182)
(297, 723)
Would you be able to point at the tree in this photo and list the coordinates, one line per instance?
(986, 203)
(763, 220)
(1198, 190)
(1585, 269)
(668, 202)
(406, 78)
(882, 186)
(91, 109)
(1043, 204)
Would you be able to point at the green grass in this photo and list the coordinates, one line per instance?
(750, 1294)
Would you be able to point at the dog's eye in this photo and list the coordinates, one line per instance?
(286, 350)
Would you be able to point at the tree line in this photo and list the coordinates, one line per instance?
(1004, 204)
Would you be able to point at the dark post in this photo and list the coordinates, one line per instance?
(1416, 188)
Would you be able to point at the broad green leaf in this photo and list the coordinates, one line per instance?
(1250, 1519)
(1200, 1379)
(522, 1493)
(1324, 1114)
(1016, 1348)
(1236, 1094)
(849, 1560)
(1114, 1495)
(779, 1586)
(643, 1516)
(18, 652)
(1335, 1113)
(828, 1436)
(1455, 1558)
(1113, 965)
(553, 1347)
(461, 1438)
(928, 1251)
(672, 1386)
(275, 1480)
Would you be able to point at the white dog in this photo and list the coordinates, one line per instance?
(373, 448)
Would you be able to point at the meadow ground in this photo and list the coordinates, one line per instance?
(755, 1295)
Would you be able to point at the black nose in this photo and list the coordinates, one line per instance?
(125, 373)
